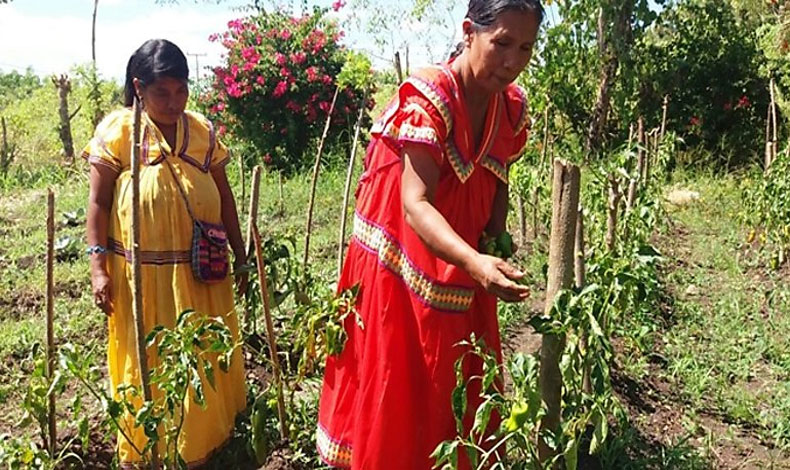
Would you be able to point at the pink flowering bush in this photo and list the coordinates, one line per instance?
(276, 86)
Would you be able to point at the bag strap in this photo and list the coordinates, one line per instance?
(182, 192)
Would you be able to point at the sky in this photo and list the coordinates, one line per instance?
(52, 36)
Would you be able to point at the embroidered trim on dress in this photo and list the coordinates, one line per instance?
(523, 119)
(334, 453)
(436, 97)
(158, 258)
(390, 254)
(494, 166)
(97, 160)
(461, 168)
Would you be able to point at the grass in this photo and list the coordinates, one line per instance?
(726, 351)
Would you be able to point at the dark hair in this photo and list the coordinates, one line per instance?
(155, 59)
(484, 13)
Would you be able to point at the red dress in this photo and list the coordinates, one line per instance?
(385, 402)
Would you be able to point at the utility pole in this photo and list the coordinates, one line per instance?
(197, 64)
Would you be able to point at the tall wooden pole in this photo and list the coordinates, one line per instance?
(50, 320)
(267, 313)
(565, 205)
(664, 117)
(316, 169)
(137, 287)
(252, 217)
(341, 246)
(579, 271)
(398, 68)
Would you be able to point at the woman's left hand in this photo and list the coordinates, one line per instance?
(242, 277)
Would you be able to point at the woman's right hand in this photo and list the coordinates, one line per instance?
(498, 278)
(102, 290)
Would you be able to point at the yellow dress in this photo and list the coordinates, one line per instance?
(168, 284)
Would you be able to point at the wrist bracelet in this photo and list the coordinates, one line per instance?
(95, 250)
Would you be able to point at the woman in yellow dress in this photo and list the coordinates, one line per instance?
(178, 148)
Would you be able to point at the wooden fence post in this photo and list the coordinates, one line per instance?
(398, 68)
(664, 117)
(612, 210)
(565, 204)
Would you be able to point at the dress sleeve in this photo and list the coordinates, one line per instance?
(414, 119)
(518, 109)
(110, 145)
(220, 156)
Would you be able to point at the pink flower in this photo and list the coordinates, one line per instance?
(220, 106)
(293, 106)
(694, 121)
(743, 102)
(324, 105)
(234, 70)
(258, 39)
(213, 37)
(280, 89)
(312, 115)
(267, 159)
(248, 52)
(260, 80)
(280, 59)
(312, 73)
(235, 90)
(285, 73)
(326, 79)
(221, 130)
(338, 4)
(298, 58)
(285, 34)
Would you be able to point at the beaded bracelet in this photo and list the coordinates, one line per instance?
(95, 250)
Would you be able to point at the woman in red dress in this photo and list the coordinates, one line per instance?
(435, 179)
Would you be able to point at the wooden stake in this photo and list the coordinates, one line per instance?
(398, 69)
(316, 169)
(264, 287)
(252, 217)
(341, 246)
(775, 134)
(535, 202)
(640, 160)
(769, 147)
(50, 370)
(630, 134)
(664, 117)
(565, 204)
(545, 149)
(242, 178)
(579, 272)
(280, 184)
(522, 221)
(612, 210)
(137, 287)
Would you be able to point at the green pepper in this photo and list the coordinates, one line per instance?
(518, 416)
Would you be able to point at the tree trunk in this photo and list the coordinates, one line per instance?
(349, 176)
(565, 206)
(63, 85)
(316, 169)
